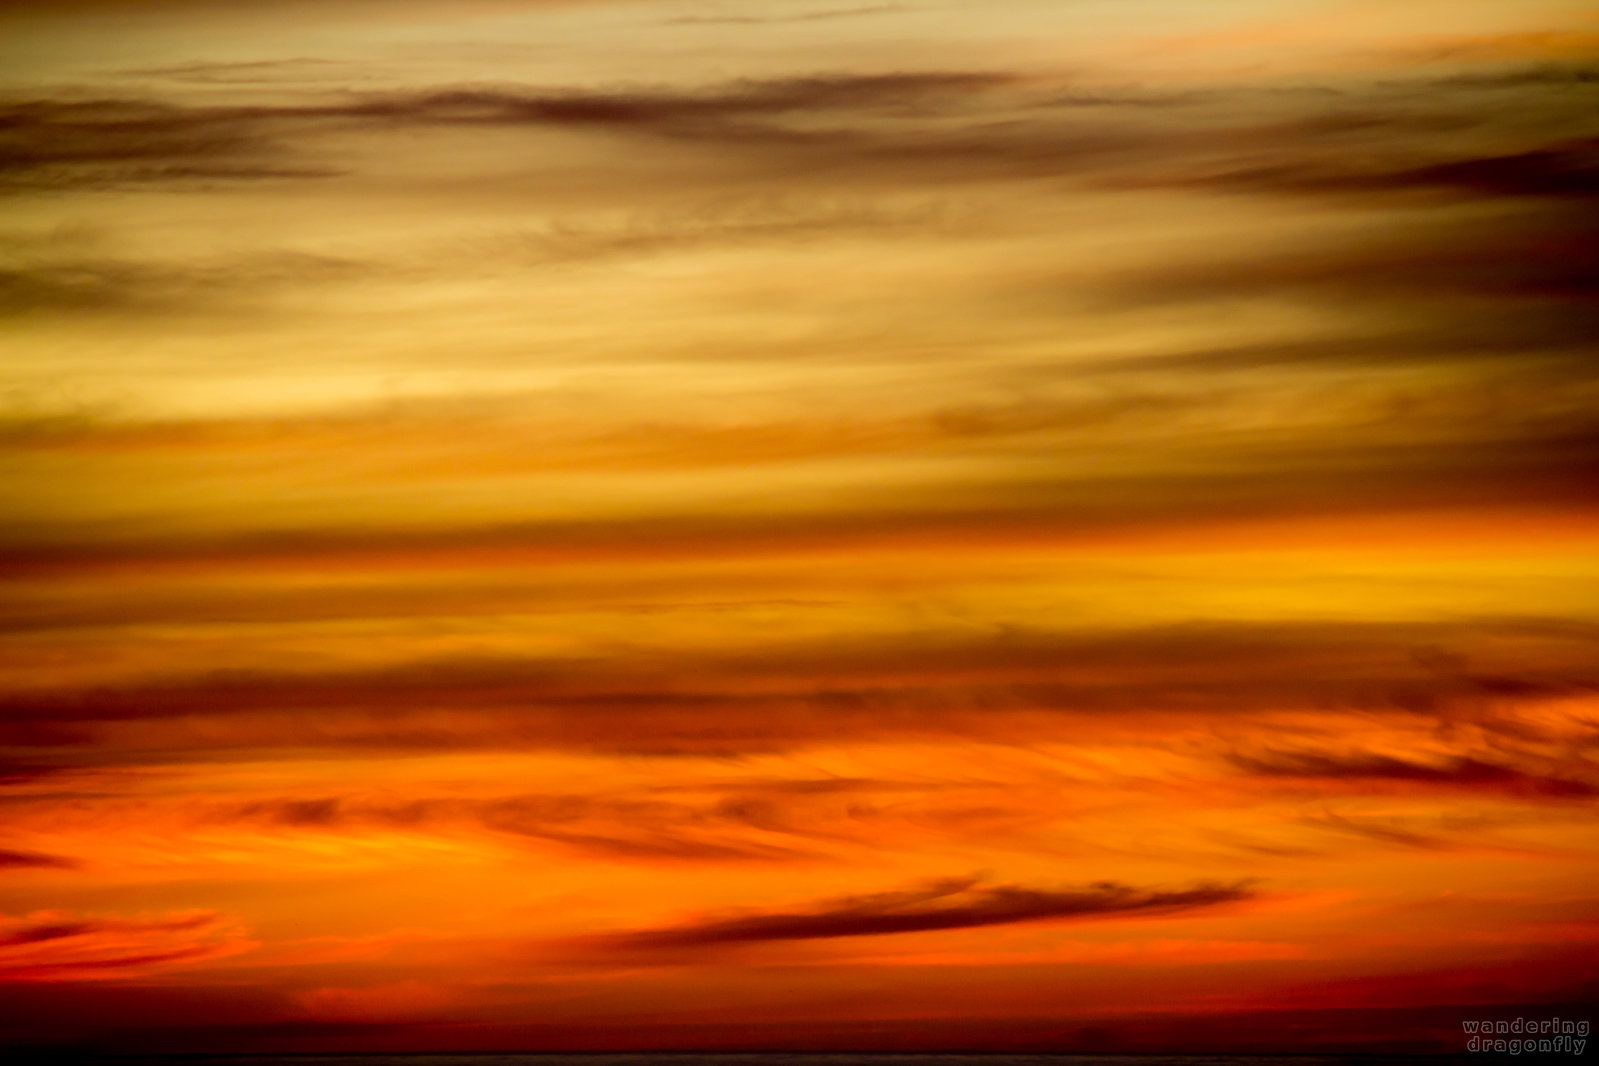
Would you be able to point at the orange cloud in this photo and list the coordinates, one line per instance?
(948, 904)
(559, 525)
(409, 1001)
(62, 946)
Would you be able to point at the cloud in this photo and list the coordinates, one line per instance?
(57, 945)
(402, 1002)
(63, 277)
(1531, 256)
(100, 142)
(1460, 773)
(249, 72)
(505, 434)
(752, 822)
(1545, 342)
(921, 128)
(67, 275)
(1384, 832)
(849, 406)
(956, 903)
(1444, 448)
(800, 16)
(34, 284)
(664, 108)
(21, 772)
(1543, 47)
(780, 698)
(1559, 169)
(626, 828)
(747, 821)
(11, 859)
(77, 141)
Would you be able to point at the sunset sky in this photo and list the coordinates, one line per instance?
(1065, 524)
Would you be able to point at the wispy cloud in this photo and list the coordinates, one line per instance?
(1462, 773)
(32, 860)
(956, 903)
(614, 462)
(822, 15)
(53, 945)
(772, 698)
(72, 141)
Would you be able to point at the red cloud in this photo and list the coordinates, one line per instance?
(56, 945)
